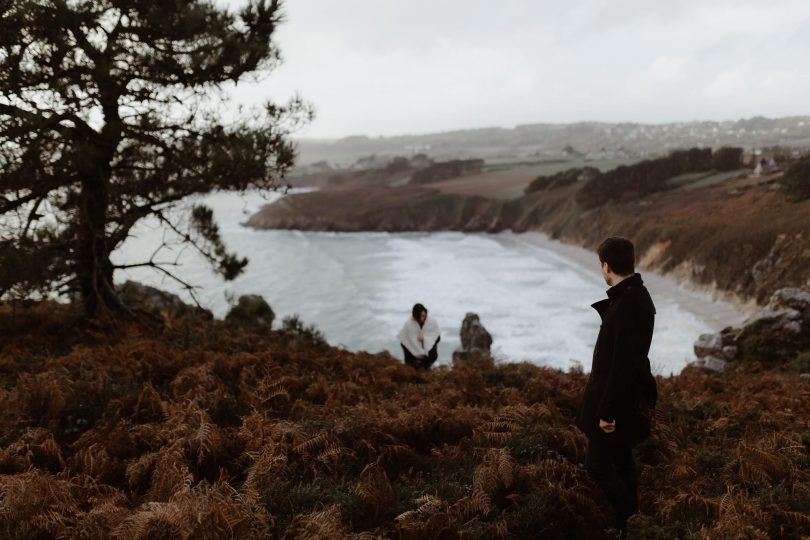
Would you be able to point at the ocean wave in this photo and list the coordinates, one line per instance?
(358, 288)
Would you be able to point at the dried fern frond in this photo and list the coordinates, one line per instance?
(267, 465)
(205, 444)
(374, 487)
(169, 474)
(149, 407)
(270, 388)
(152, 520)
(760, 466)
(37, 498)
(316, 442)
(93, 460)
(429, 504)
(798, 518)
(690, 501)
(325, 524)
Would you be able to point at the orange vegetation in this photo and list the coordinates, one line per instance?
(196, 431)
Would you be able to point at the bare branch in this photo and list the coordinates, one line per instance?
(38, 121)
(32, 216)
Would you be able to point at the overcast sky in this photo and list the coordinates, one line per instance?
(387, 67)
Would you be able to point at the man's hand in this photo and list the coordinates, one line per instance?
(607, 427)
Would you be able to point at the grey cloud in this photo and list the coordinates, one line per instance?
(388, 67)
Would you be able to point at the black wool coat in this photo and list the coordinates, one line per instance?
(621, 386)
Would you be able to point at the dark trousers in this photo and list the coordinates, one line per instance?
(421, 363)
(610, 463)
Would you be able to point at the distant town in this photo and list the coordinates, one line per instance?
(759, 137)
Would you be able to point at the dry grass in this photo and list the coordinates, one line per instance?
(197, 432)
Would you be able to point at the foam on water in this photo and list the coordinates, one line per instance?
(358, 288)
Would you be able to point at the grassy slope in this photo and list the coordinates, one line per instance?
(546, 167)
(746, 241)
(199, 432)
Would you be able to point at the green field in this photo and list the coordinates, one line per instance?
(546, 167)
(717, 178)
(704, 179)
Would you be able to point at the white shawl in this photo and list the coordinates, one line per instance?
(410, 333)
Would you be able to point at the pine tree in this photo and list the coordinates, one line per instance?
(112, 111)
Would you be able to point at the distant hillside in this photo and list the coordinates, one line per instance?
(596, 139)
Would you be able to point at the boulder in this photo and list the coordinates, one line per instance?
(251, 312)
(155, 301)
(730, 352)
(778, 332)
(792, 298)
(719, 345)
(787, 306)
(708, 344)
(473, 334)
(714, 363)
(475, 341)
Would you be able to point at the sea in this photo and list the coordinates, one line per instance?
(358, 288)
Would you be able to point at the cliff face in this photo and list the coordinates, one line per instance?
(744, 239)
(379, 208)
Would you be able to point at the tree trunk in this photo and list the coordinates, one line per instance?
(94, 268)
(95, 271)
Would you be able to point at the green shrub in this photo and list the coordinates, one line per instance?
(251, 312)
(727, 158)
(647, 528)
(710, 461)
(762, 341)
(801, 363)
(306, 335)
(641, 179)
(797, 179)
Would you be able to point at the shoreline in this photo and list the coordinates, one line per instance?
(701, 302)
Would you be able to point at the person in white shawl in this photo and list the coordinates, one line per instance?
(419, 337)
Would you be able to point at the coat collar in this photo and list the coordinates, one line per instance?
(624, 284)
(613, 292)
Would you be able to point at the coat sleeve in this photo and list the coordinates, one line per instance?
(631, 337)
(431, 333)
(409, 337)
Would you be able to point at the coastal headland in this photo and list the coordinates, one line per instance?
(739, 235)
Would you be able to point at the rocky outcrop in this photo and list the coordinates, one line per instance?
(380, 208)
(156, 301)
(475, 342)
(717, 352)
(777, 333)
(251, 312)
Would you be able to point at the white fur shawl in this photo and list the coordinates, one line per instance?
(410, 333)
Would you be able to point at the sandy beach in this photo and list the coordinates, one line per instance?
(715, 313)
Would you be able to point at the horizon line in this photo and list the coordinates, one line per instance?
(534, 124)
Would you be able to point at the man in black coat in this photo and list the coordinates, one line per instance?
(620, 395)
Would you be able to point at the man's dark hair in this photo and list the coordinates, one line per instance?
(417, 310)
(620, 255)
